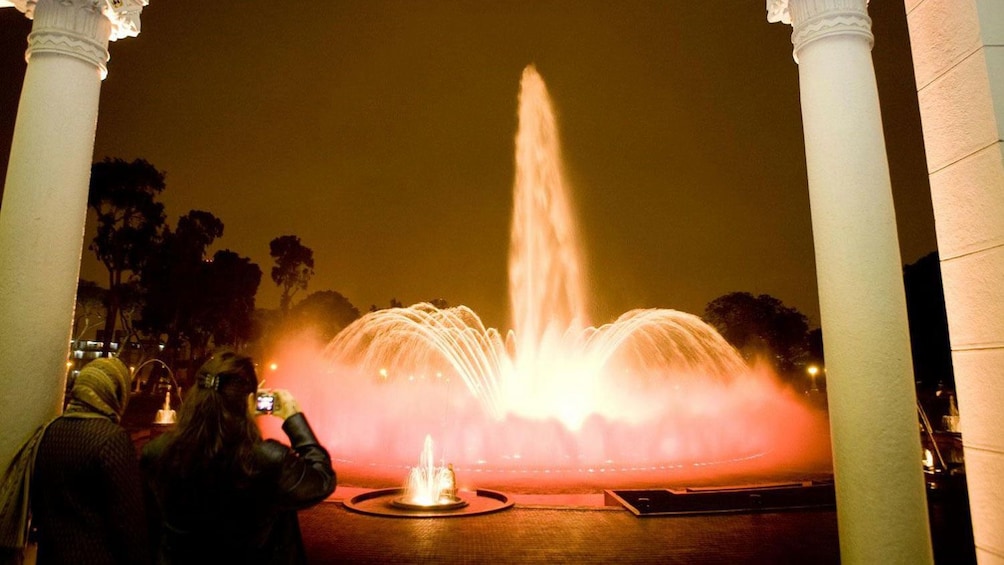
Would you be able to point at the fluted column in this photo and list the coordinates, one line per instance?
(881, 503)
(45, 201)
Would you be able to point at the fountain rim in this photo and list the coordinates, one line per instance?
(380, 502)
(455, 503)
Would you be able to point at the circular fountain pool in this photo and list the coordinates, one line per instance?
(387, 502)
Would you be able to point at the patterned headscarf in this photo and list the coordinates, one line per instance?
(101, 389)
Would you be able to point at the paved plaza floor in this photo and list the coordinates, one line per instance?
(570, 534)
(579, 529)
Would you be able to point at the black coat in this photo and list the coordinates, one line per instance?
(87, 495)
(241, 519)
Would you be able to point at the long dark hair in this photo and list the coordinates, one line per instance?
(215, 434)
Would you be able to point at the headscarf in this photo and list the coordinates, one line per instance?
(100, 390)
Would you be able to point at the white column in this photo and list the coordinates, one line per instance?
(958, 55)
(881, 502)
(45, 201)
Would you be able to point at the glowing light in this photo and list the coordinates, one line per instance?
(813, 370)
(273, 366)
(928, 459)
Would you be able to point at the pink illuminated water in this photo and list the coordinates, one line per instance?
(656, 390)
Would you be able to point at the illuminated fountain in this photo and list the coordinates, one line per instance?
(430, 487)
(431, 492)
(553, 398)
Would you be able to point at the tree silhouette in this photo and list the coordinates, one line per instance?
(925, 305)
(326, 311)
(760, 326)
(90, 309)
(393, 303)
(129, 224)
(294, 265)
(173, 279)
(226, 302)
(440, 303)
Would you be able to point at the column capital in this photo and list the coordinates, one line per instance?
(79, 28)
(777, 12)
(815, 19)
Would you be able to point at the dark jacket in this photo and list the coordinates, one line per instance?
(240, 519)
(87, 495)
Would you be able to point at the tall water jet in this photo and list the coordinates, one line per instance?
(546, 294)
(654, 390)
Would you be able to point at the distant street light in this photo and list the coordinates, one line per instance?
(813, 371)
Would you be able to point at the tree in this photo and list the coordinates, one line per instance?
(173, 279)
(129, 224)
(326, 311)
(395, 303)
(131, 300)
(294, 265)
(90, 309)
(226, 304)
(925, 305)
(760, 326)
(814, 347)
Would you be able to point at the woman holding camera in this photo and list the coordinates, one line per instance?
(224, 495)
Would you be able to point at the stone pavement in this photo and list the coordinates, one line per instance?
(579, 529)
(570, 534)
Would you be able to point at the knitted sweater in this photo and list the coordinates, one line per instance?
(87, 495)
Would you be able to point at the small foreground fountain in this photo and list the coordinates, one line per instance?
(430, 487)
(431, 492)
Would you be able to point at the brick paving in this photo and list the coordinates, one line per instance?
(550, 534)
(579, 529)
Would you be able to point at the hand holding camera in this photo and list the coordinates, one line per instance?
(278, 402)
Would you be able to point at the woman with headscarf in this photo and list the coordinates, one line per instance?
(86, 488)
(223, 494)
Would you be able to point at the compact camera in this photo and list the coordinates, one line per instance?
(265, 403)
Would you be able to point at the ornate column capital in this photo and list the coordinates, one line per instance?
(124, 16)
(79, 28)
(777, 12)
(815, 19)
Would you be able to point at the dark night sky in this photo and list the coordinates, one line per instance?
(381, 133)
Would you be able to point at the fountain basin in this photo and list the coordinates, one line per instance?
(452, 504)
(387, 502)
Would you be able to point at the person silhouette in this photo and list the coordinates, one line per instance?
(86, 488)
(224, 495)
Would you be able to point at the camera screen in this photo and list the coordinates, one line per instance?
(266, 402)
